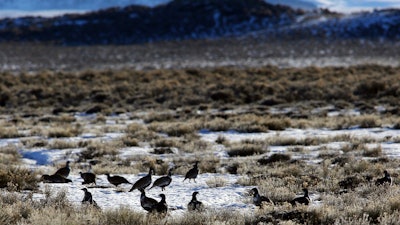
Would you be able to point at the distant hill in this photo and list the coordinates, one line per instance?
(184, 19)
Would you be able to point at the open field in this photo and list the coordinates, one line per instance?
(333, 130)
(245, 52)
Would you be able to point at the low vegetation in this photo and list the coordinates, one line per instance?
(166, 111)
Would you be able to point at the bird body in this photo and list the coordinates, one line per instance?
(143, 182)
(116, 180)
(194, 204)
(55, 178)
(88, 177)
(64, 171)
(192, 173)
(147, 203)
(301, 200)
(161, 206)
(387, 179)
(259, 199)
(88, 198)
(163, 181)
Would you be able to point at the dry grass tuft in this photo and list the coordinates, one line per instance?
(276, 157)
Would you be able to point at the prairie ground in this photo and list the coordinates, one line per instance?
(72, 99)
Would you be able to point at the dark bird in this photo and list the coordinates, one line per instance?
(88, 198)
(143, 182)
(161, 206)
(194, 204)
(163, 181)
(64, 171)
(147, 203)
(192, 173)
(384, 180)
(88, 177)
(301, 200)
(55, 178)
(259, 199)
(116, 180)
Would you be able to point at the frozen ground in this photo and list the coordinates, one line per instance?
(217, 191)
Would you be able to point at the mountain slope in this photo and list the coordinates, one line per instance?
(200, 19)
(180, 19)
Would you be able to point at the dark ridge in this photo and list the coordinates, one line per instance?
(177, 20)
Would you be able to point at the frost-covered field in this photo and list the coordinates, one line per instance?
(331, 130)
(218, 191)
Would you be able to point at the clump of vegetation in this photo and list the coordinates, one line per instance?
(17, 179)
(276, 157)
(246, 150)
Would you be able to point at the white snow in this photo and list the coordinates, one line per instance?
(224, 191)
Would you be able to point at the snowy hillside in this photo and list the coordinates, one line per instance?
(180, 19)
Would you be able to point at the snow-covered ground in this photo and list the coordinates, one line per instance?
(217, 190)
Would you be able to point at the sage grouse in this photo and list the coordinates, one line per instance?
(116, 180)
(259, 199)
(55, 178)
(384, 180)
(88, 178)
(147, 203)
(143, 182)
(161, 206)
(195, 204)
(64, 171)
(88, 199)
(163, 181)
(192, 173)
(305, 200)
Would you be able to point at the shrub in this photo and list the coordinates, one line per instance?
(246, 150)
(276, 157)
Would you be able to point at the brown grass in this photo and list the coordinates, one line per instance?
(170, 107)
(63, 92)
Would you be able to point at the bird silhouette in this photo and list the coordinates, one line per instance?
(387, 179)
(161, 206)
(64, 171)
(305, 200)
(116, 180)
(143, 182)
(192, 173)
(259, 199)
(88, 198)
(147, 203)
(163, 181)
(88, 178)
(194, 204)
(55, 178)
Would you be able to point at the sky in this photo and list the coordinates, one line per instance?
(50, 8)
